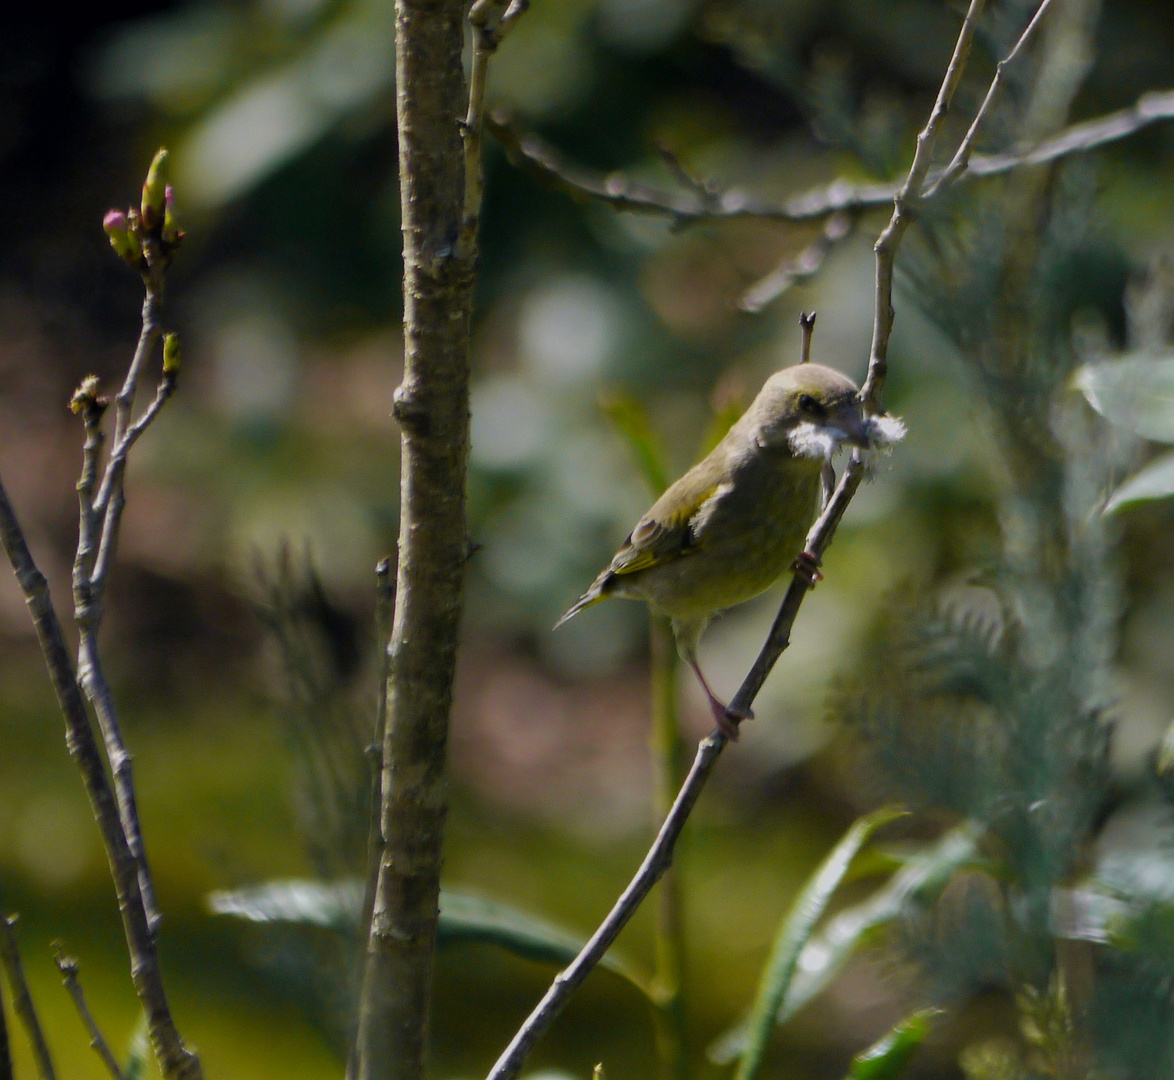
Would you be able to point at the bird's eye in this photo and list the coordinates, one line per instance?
(808, 404)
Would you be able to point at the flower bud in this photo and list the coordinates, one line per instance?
(86, 396)
(171, 230)
(171, 354)
(155, 190)
(115, 225)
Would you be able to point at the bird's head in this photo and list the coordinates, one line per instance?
(813, 410)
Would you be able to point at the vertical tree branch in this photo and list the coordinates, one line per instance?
(22, 1001)
(440, 203)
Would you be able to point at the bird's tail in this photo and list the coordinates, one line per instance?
(591, 596)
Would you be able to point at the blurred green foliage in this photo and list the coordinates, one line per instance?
(1021, 622)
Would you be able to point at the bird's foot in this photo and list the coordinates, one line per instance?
(806, 566)
(728, 718)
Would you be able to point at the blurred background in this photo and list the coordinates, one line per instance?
(279, 114)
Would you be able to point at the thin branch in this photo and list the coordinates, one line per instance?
(961, 160)
(91, 572)
(5, 1047)
(802, 267)
(22, 1001)
(806, 331)
(68, 967)
(659, 857)
(175, 1060)
(487, 35)
(384, 611)
(553, 169)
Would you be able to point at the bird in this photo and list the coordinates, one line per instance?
(732, 524)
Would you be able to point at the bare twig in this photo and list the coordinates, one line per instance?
(550, 167)
(5, 1048)
(659, 857)
(802, 267)
(68, 967)
(806, 331)
(384, 610)
(487, 35)
(91, 569)
(176, 1061)
(22, 1001)
(961, 159)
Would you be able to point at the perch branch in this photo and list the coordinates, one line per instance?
(659, 857)
(68, 967)
(22, 1000)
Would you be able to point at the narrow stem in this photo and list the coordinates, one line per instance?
(5, 1048)
(68, 967)
(668, 770)
(176, 1061)
(384, 611)
(97, 689)
(22, 1000)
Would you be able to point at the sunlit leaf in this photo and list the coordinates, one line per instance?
(631, 420)
(794, 932)
(1155, 481)
(463, 918)
(923, 876)
(333, 905)
(887, 1057)
(1135, 392)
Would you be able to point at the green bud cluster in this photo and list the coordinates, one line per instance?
(147, 236)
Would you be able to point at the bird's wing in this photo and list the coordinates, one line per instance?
(670, 529)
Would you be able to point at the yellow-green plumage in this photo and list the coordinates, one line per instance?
(729, 527)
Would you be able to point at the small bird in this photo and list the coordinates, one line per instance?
(728, 528)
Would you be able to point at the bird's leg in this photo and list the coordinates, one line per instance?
(806, 566)
(727, 719)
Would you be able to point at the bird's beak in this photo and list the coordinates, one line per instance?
(849, 424)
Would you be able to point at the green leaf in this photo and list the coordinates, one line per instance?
(887, 1057)
(794, 932)
(1155, 481)
(923, 877)
(463, 918)
(1135, 392)
(631, 420)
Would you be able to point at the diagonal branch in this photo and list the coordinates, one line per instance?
(22, 1001)
(68, 967)
(176, 1061)
(660, 855)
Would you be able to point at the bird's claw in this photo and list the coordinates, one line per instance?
(728, 718)
(806, 565)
